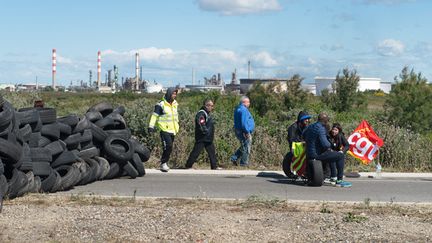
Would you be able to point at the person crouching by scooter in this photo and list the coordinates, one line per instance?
(319, 147)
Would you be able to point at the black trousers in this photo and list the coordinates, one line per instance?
(198, 147)
(167, 145)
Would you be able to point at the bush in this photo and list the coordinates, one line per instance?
(410, 102)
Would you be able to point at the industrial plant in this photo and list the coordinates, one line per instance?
(113, 83)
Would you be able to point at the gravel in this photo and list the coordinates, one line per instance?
(42, 218)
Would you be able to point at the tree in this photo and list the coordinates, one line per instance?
(410, 102)
(295, 95)
(344, 94)
(264, 99)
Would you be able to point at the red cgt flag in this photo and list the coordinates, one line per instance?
(364, 143)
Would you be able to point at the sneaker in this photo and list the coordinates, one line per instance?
(218, 168)
(343, 183)
(330, 181)
(164, 167)
(234, 160)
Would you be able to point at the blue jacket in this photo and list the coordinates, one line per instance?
(243, 119)
(317, 143)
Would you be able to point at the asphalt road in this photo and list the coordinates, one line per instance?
(265, 185)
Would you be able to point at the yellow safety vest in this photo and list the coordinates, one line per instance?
(168, 121)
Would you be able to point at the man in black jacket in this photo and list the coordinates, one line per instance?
(204, 135)
(295, 131)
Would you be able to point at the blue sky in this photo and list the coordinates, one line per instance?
(280, 37)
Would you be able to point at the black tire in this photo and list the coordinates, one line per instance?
(69, 175)
(65, 158)
(4, 187)
(40, 154)
(65, 129)
(41, 168)
(48, 182)
(98, 133)
(47, 115)
(83, 124)
(71, 120)
(10, 150)
(58, 182)
(6, 114)
(73, 141)
(120, 110)
(37, 185)
(27, 117)
(107, 121)
(16, 183)
(25, 161)
(56, 147)
(1, 167)
(44, 141)
(37, 126)
(34, 139)
(86, 174)
(315, 173)
(113, 172)
(130, 170)
(104, 166)
(89, 153)
(115, 155)
(5, 131)
(104, 108)
(138, 164)
(87, 136)
(142, 150)
(25, 133)
(95, 169)
(124, 133)
(51, 131)
(119, 121)
(286, 166)
(94, 116)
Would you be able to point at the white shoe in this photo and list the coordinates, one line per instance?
(164, 167)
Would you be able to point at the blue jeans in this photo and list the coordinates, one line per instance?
(336, 161)
(244, 150)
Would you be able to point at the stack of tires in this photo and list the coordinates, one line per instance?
(42, 153)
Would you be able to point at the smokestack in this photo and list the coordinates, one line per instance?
(54, 68)
(249, 69)
(193, 76)
(99, 69)
(137, 71)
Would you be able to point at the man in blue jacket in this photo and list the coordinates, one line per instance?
(318, 147)
(244, 125)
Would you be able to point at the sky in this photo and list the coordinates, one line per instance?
(279, 37)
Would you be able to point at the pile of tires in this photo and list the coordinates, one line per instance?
(42, 153)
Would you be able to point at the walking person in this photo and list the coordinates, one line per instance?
(244, 126)
(319, 147)
(204, 135)
(165, 118)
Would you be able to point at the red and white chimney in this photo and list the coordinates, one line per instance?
(137, 71)
(99, 69)
(54, 68)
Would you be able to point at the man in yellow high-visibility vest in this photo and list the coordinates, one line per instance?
(165, 118)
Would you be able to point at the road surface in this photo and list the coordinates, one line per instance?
(269, 185)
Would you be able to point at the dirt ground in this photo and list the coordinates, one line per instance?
(43, 218)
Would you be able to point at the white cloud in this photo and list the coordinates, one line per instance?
(264, 59)
(63, 60)
(390, 47)
(239, 7)
(387, 2)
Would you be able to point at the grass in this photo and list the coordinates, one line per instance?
(353, 218)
